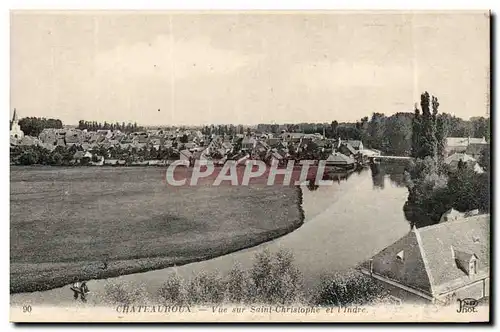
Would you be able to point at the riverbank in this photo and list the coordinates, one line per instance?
(95, 224)
(345, 224)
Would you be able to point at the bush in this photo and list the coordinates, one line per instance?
(288, 280)
(273, 279)
(238, 285)
(56, 158)
(276, 279)
(206, 289)
(123, 294)
(172, 291)
(28, 158)
(349, 288)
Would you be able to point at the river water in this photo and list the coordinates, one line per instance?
(345, 223)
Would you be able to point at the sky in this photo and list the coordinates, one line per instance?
(180, 68)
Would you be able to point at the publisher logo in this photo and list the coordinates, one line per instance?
(467, 305)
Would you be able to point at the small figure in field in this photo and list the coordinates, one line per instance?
(81, 290)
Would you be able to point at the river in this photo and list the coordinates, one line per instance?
(345, 223)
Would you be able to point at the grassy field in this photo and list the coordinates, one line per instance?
(66, 222)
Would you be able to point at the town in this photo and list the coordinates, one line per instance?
(72, 146)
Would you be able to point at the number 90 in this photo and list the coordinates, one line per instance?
(26, 308)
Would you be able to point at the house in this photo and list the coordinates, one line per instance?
(475, 149)
(293, 137)
(48, 136)
(370, 153)
(190, 145)
(356, 144)
(248, 143)
(28, 140)
(347, 149)
(454, 160)
(73, 137)
(105, 132)
(114, 162)
(451, 215)
(185, 155)
(460, 144)
(438, 264)
(99, 162)
(81, 156)
(339, 159)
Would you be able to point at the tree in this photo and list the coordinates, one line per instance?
(56, 158)
(376, 128)
(349, 288)
(480, 127)
(441, 134)
(33, 126)
(28, 157)
(333, 129)
(398, 134)
(484, 159)
(416, 133)
(428, 129)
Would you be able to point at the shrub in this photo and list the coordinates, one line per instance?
(28, 158)
(122, 293)
(348, 288)
(172, 291)
(206, 289)
(287, 278)
(238, 285)
(261, 275)
(275, 278)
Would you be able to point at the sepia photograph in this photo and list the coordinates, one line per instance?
(250, 166)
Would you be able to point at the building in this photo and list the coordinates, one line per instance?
(454, 160)
(339, 160)
(15, 129)
(356, 144)
(439, 263)
(460, 144)
(475, 149)
(248, 143)
(347, 149)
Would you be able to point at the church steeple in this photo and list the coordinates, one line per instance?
(14, 117)
(15, 129)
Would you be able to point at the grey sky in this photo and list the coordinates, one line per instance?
(245, 67)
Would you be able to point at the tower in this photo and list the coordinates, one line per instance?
(15, 129)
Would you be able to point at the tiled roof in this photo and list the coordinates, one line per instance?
(339, 159)
(355, 143)
(431, 252)
(476, 148)
(463, 141)
(348, 147)
(456, 157)
(469, 235)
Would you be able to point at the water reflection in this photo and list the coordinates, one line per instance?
(378, 180)
(395, 172)
(331, 175)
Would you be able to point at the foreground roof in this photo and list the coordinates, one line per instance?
(434, 255)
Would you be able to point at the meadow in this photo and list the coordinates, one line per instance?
(100, 222)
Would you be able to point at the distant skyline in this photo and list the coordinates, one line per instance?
(161, 68)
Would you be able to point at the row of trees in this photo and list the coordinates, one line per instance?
(433, 187)
(33, 126)
(273, 279)
(393, 134)
(63, 156)
(230, 130)
(94, 126)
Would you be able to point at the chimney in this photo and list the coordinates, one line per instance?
(371, 266)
